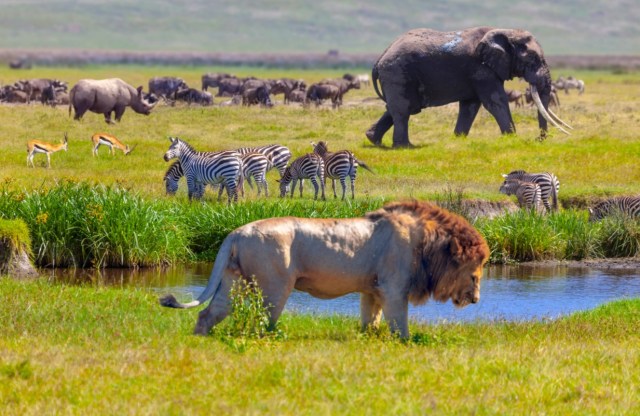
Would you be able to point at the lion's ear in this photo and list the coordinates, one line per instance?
(455, 248)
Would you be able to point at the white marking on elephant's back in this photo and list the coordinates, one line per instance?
(448, 47)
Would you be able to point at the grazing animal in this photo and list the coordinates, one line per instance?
(278, 155)
(625, 205)
(309, 166)
(192, 95)
(213, 79)
(528, 193)
(320, 92)
(404, 252)
(515, 96)
(344, 85)
(255, 165)
(228, 87)
(339, 165)
(39, 146)
(258, 95)
(172, 177)
(202, 168)
(166, 87)
(297, 96)
(568, 83)
(549, 186)
(108, 96)
(110, 141)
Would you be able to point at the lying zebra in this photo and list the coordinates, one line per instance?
(528, 193)
(625, 205)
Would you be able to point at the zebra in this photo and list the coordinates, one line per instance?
(309, 166)
(339, 165)
(201, 168)
(278, 154)
(528, 193)
(626, 205)
(255, 165)
(548, 182)
(172, 177)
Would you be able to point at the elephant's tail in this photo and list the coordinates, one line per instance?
(227, 257)
(71, 94)
(374, 80)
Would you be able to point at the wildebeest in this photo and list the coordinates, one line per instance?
(320, 92)
(344, 85)
(192, 95)
(213, 79)
(286, 86)
(228, 87)
(166, 86)
(259, 95)
(106, 96)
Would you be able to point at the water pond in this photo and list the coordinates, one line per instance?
(512, 293)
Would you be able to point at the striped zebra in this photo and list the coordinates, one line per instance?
(625, 205)
(309, 166)
(172, 177)
(549, 186)
(278, 155)
(529, 194)
(255, 165)
(201, 168)
(339, 165)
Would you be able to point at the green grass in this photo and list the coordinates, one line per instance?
(114, 351)
(598, 159)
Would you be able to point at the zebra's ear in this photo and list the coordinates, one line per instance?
(171, 139)
(504, 175)
(590, 210)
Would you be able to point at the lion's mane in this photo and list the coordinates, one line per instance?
(444, 242)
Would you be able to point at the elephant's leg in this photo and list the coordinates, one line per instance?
(379, 128)
(401, 130)
(218, 308)
(468, 110)
(370, 311)
(497, 103)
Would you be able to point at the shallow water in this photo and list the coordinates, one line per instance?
(512, 293)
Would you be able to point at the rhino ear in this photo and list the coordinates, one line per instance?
(139, 91)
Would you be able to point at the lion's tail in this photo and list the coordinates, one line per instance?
(226, 255)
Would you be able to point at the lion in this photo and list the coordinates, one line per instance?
(404, 252)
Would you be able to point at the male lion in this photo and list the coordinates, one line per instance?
(405, 251)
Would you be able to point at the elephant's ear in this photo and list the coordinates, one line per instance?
(494, 50)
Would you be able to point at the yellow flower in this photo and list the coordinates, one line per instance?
(42, 218)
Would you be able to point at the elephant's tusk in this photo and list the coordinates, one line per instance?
(543, 111)
(558, 119)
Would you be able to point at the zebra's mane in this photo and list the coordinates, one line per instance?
(517, 172)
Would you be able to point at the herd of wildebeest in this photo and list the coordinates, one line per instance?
(537, 191)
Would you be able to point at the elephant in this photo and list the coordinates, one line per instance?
(106, 96)
(426, 68)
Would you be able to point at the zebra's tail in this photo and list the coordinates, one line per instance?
(227, 257)
(364, 165)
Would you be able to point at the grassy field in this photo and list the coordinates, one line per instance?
(84, 350)
(599, 158)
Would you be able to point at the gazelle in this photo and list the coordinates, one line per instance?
(110, 141)
(38, 146)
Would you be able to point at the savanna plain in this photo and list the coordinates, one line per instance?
(91, 349)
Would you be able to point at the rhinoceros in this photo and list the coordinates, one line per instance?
(105, 96)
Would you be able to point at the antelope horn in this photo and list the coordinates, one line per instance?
(543, 111)
(133, 148)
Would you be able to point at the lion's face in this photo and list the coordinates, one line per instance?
(460, 283)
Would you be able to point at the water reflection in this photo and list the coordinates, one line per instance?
(508, 292)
